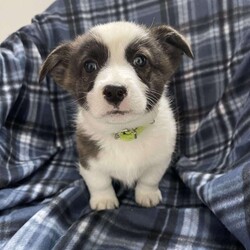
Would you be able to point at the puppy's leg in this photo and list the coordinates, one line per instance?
(102, 194)
(147, 193)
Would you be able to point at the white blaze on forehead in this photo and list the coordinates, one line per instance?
(119, 32)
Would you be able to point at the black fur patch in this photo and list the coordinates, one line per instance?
(90, 50)
(66, 65)
(87, 148)
(163, 48)
(156, 71)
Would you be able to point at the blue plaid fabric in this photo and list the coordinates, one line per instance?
(206, 192)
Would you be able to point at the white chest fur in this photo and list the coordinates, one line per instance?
(127, 161)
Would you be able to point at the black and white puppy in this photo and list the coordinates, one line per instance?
(125, 127)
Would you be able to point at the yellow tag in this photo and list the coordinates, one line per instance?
(129, 134)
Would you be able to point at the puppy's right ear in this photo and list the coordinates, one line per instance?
(57, 63)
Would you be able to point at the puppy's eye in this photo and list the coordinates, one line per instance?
(90, 66)
(140, 61)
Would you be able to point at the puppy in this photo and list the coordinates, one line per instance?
(126, 130)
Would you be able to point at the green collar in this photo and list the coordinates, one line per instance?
(129, 134)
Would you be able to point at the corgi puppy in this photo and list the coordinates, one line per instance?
(118, 73)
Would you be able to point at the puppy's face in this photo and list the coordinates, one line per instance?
(117, 71)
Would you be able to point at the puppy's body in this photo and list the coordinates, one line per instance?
(118, 73)
(118, 158)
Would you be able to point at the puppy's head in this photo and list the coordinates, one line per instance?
(117, 71)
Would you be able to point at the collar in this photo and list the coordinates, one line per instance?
(130, 134)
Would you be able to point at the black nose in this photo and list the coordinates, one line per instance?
(114, 94)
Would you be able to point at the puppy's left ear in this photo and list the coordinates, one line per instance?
(171, 41)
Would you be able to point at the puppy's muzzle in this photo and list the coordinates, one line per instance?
(114, 94)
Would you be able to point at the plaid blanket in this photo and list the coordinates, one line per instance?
(206, 192)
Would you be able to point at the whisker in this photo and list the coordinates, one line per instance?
(153, 91)
(151, 98)
(152, 24)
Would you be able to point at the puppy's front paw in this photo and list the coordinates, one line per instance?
(104, 202)
(147, 197)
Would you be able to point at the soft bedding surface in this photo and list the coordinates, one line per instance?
(206, 192)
